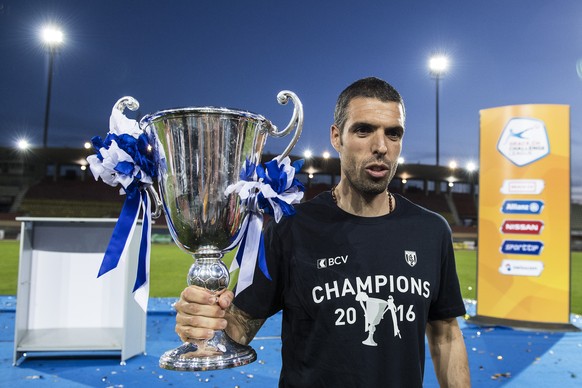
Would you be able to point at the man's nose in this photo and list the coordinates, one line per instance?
(379, 145)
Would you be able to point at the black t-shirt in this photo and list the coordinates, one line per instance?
(356, 293)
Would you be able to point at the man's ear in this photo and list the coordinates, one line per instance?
(335, 137)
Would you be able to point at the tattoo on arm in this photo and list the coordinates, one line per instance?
(241, 326)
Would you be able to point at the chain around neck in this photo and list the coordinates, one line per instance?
(390, 205)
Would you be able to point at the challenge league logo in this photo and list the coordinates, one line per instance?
(524, 140)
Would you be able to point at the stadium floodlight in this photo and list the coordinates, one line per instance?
(52, 35)
(23, 144)
(438, 66)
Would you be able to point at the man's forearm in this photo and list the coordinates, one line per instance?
(451, 365)
(241, 327)
(448, 353)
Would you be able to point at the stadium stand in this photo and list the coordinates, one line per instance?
(51, 183)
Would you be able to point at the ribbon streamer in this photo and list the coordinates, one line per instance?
(141, 287)
(119, 238)
(144, 246)
(252, 249)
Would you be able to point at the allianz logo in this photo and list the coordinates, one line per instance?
(331, 261)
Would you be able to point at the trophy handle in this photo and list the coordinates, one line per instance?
(126, 102)
(156, 202)
(133, 105)
(296, 121)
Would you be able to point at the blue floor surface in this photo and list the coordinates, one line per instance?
(498, 357)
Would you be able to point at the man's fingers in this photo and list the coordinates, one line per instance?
(213, 311)
(196, 327)
(201, 321)
(188, 333)
(194, 294)
(225, 299)
(201, 312)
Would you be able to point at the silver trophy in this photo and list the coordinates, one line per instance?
(205, 150)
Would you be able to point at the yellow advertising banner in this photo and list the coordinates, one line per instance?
(523, 268)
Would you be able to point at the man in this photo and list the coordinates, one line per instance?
(342, 261)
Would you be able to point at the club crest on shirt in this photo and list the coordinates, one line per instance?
(410, 257)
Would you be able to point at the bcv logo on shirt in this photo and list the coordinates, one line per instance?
(331, 261)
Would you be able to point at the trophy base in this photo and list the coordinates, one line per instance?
(220, 352)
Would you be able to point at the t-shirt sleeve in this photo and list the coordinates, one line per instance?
(263, 297)
(449, 302)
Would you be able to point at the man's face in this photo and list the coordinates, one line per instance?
(370, 144)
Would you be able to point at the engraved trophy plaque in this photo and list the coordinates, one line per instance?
(203, 151)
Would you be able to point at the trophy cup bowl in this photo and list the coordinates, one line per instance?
(202, 152)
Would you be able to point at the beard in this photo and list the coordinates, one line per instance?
(361, 181)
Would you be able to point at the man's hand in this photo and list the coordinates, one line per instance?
(201, 312)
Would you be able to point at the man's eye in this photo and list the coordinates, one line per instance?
(362, 129)
(394, 133)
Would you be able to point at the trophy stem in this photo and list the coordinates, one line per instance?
(220, 351)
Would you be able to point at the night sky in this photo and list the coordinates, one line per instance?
(241, 53)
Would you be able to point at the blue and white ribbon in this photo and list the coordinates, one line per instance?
(127, 158)
(271, 189)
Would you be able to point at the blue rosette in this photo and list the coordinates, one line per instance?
(270, 189)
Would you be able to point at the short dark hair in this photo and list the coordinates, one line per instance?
(371, 87)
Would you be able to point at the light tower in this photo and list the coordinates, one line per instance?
(53, 38)
(438, 65)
